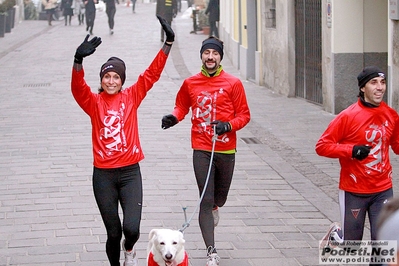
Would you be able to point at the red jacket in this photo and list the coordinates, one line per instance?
(115, 135)
(151, 261)
(359, 125)
(221, 97)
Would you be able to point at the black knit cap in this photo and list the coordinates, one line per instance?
(116, 65)
(369, 73)
(212, 43)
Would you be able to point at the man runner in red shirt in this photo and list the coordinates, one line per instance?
(360, 137)
(216, 99)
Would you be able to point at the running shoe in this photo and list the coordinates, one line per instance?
(333, 237)
(213, 260)
(130, 256)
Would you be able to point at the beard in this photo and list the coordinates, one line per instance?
(213, 68)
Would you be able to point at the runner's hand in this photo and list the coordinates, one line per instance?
(170, 35)
(360, 152)
(221, 127)
(86, 48)
(169, 121)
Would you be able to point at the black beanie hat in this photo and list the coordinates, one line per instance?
(368, 73)
(116, 65)
(212, 43)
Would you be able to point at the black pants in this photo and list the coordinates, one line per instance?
(217, 190)
(354, 208)
(90, 17)
(120, 185)
(111, 15)
(353, 211)
(214, 31)
(133, 5)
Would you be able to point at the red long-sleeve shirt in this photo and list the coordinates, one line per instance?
(115, 135)
(360, 125)
(221, 97)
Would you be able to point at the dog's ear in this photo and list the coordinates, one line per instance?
(181, 236)
(152, 233)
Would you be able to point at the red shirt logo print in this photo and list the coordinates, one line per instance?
(203, 112)
(112, 133)
(375, 136)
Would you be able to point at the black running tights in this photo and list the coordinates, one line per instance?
(111, 187)
(217, 190)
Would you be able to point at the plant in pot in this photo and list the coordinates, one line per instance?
(3, 14)
(11, 14)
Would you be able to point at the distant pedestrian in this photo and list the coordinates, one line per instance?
(360, 137)
(214, 13)
(111, 10)
(49, 6)
(80, 11)
(90, 14)
(67, 10)
(218, 110)
(168, 10)
(115, 141)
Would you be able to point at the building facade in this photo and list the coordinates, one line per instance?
(312, 49)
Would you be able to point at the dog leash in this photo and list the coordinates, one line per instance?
(187, 222)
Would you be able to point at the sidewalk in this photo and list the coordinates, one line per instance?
(283, 196)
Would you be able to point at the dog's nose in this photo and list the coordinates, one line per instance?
(168, 256)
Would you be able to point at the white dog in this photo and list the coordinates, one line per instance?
(166, 248)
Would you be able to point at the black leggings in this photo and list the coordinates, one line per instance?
(120, 185)
(90, 17)
(354, 208)
(217, 189)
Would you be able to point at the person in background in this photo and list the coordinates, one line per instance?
(214, 14)
(80, 11)
(67, 11)
(387, 224)
(219, 109)
(166, 9)
(360, 137)
(49, 6)
(90, 11)
(111, 10)
(115, 141)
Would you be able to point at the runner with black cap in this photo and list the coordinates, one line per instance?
(219, 109)
(360, 137)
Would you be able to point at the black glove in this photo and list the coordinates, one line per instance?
(86, 48)
(170, 35)
(360, 152)
(221, 127)
(169, 121)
